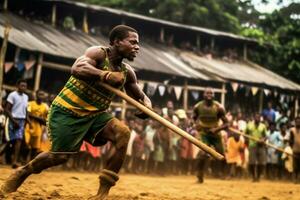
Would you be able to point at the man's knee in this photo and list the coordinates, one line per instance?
(122, 133)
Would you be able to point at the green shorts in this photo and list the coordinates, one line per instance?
(213, 140)
(67, 132)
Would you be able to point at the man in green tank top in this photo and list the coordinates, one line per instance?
(79, 111)
(207, 116)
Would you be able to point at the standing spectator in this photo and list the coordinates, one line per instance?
(37, 112)
(161, 143)
(173, 153)
(186, 147)
(241, 123)
(269, 114)
(295, 144)
(149, 132)
(287, 157)
(282, 119)
(2, 128)
(275, 138)
(257, 151)
(235, 146)
(138, 150)
(128, 158)
(16, 110)
(169, 113)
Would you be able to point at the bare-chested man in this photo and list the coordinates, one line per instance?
(295, 144)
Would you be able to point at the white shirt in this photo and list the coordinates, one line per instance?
(130, 142)
(19, 104)
(150, 132)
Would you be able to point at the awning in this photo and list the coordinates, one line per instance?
(72, 44)
(238, 71)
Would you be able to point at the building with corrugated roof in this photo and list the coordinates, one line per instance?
(184, 59)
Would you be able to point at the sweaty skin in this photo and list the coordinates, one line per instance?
(88, 68)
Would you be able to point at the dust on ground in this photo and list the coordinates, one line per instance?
(82, 185)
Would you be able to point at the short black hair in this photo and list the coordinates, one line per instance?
(21, 81)
(120, 32)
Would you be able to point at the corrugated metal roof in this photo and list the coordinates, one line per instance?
(151, 19)
(238, 71)
(72, 44)
(153, 57)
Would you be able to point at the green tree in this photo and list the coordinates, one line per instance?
(279, 36)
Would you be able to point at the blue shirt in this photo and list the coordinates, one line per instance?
(269, 114)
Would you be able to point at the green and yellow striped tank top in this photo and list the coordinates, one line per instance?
(86, 98)
(208, 116)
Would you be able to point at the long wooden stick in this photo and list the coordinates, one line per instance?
(2, 56)
(257, 140)
(164, 122)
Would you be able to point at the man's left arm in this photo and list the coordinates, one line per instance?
(133, 90)
(222, 116)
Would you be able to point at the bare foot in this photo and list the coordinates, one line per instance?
(14, 181)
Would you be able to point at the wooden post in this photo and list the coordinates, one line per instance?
(261, 100)
(85, 25)
(162, 35)
(5, 5)
(185, 96)
(17, 54)
(296, 106)
(38, 73)
(245, 52)
(212, 43)
(198, 42)
(223, 94)
(53, 17)
(2, 57)
(124, 108)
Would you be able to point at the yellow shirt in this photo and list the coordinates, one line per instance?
(38, 110)
(233, 151)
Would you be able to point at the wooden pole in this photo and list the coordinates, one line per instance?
(257, 140)
(2, 57)
(261, 100)
(162, 35)
(53, 17)
(185, 95)
(85, 25)
(245, 52)
(223, 94)
(198, 42)
(38, 73)
(296, 106)
(212, 44)
(164, 122)
(5, 5)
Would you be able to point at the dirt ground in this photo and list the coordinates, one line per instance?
(77, 186)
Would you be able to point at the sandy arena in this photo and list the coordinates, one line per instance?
(77, 186)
